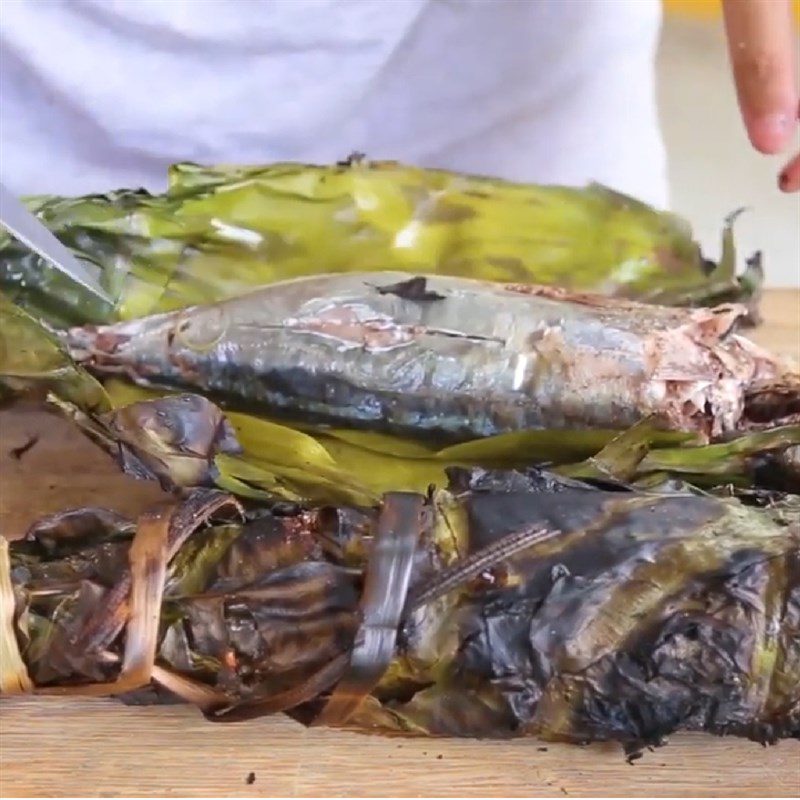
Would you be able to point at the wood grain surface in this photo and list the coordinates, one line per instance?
(100, 748)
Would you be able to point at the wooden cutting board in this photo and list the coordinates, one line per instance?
(100, 748)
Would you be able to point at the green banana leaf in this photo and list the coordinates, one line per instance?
(219, 231)
(641, 451)
(33, 357)
(316, 466)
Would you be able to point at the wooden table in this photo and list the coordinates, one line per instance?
(103, 749)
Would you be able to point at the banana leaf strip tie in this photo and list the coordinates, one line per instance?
(512, 603)
(388, 574)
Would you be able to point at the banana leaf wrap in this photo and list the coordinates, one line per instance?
(220, 231)
(511, 603)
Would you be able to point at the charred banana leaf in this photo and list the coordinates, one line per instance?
(218, 232)
(454, 359)
(510, 604)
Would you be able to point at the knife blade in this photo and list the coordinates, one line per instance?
(23, 225)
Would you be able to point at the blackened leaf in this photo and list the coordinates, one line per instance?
(413, 289)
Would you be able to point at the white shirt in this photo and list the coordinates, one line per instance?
(103, 94)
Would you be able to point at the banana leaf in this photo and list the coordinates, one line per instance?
(751, 459)
(220, 231)
(508, 604)
(33, 358)
(185, 441)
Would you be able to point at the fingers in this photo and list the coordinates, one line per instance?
(789, 180)
(761, 44)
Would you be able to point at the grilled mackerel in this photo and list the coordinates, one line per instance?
(454, 358)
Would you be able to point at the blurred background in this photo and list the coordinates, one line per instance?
(704, 137)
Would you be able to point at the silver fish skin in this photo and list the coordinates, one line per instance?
(444, 356)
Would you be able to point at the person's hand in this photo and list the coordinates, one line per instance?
(762, 47)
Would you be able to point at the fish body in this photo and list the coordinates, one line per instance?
(444, 356)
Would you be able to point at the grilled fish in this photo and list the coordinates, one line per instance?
(452, 357)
